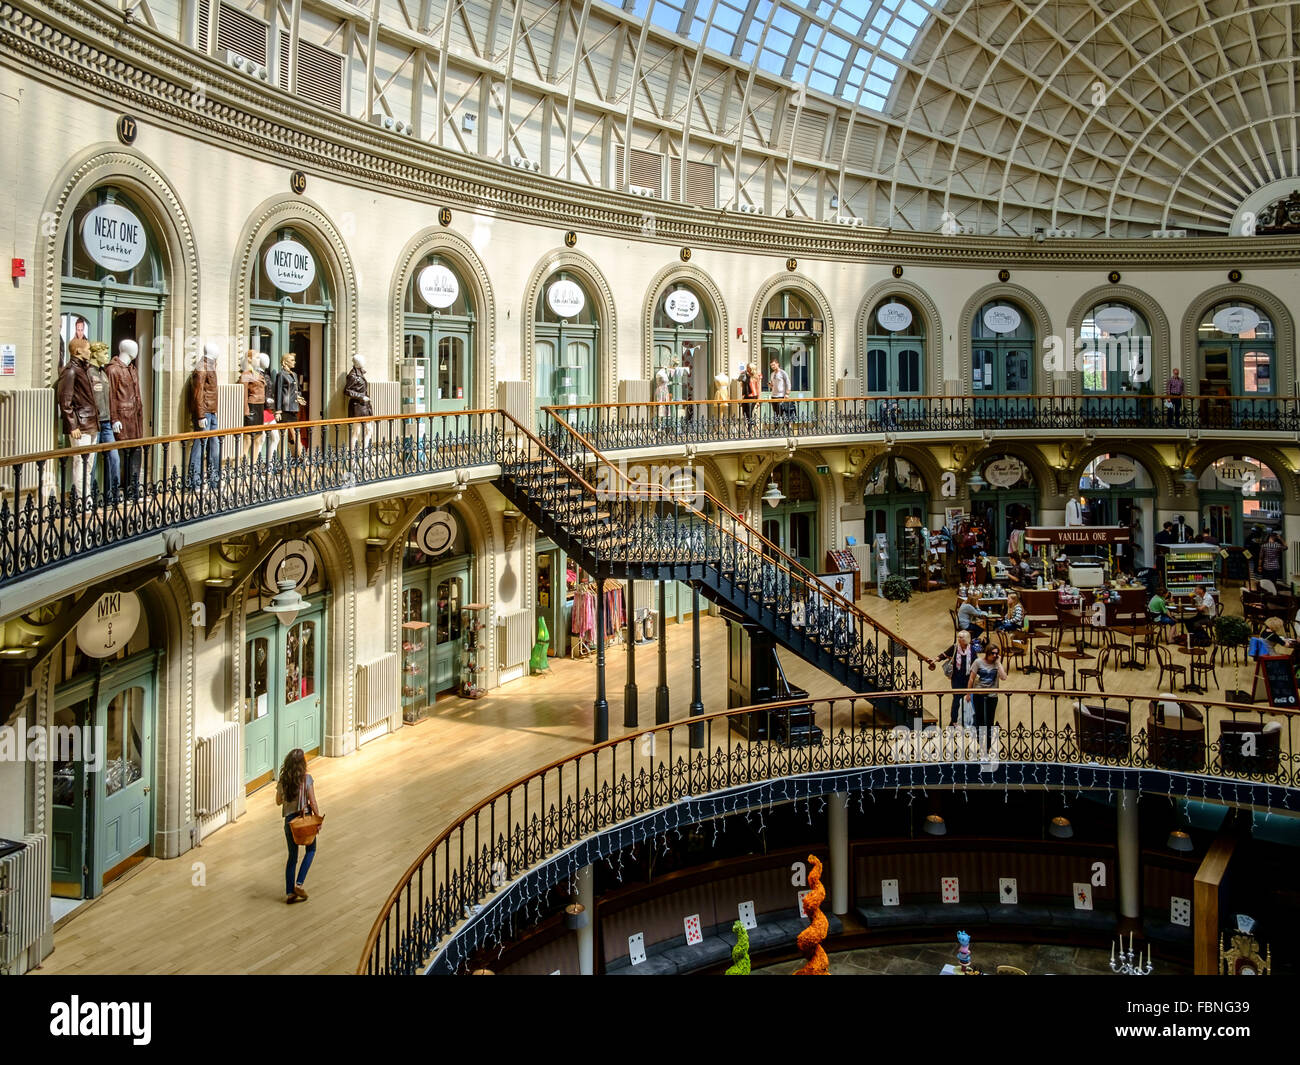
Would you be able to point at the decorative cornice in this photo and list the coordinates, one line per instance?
(131, 66)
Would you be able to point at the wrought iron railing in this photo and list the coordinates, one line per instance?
(624, 425)
(593, 799)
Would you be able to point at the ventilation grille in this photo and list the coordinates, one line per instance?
(701, 183)
(205, 12)
(647, 170)
(283, 73)
(809, 132)
(320, 75)
(216, 770)
(240, 32)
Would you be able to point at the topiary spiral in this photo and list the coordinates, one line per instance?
(811, 938)
(740, 952)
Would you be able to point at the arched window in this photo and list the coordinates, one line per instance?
(291, 312)
(683, 344)
(1002, 350)
(1236, 343)
(895, 349)
(1237, 495)
(438, 322)
(1116, 355)
(566, 344)
(792, 336)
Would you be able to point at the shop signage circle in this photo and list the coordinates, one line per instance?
(290, 266)
(894, 317)
(438, 286)
(1003, 473)
(1114, 320)
(1001, 319)
(293, 560)
(1236, 473)
(109, 624)
(1236, 320)
(114, 237)
(682, 306)
(436, 534)
(566, 299)
(1115, 470)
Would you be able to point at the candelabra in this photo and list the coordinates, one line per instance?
(1126, 965)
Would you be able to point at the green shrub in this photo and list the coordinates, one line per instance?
(1231, 631)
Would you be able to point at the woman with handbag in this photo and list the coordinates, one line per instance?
(957, 662)
(295, 793)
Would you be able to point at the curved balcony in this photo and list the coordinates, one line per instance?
(538, 831)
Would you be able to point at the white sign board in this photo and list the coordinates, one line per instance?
(1001, 319)
(894, 317)
(113, 237)
(109, 624)
(566, 299)
(1113, 321)
(438, 286)
(1236, 320)
(1115, 470)
(293, 560)
(1004, 472)
(1237, 473)
(682, 306)
(290, 266)
(436, 534)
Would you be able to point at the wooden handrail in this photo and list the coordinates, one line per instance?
(594, 750)
(809, 577)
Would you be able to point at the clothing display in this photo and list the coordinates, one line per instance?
(582, 622)
(77, 405)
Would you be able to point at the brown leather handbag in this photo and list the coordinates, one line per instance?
(304, 827)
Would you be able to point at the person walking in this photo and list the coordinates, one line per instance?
(986, 674)
(1270, 558)
(296, 794)
(1174, 403)
(957, 662)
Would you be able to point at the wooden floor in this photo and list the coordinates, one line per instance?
(219, 908)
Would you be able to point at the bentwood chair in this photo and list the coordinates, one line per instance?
(1167, 665)
(1099, 673)
(1049, 666)
(1204, 668)
(1011, 651)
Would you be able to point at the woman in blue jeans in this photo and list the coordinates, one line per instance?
(295, 794)
(985, 676)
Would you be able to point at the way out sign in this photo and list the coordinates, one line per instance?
(108, 626)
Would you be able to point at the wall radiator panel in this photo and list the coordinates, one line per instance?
(516, 637)
(516, 399)
(216, 761)
(377, 690)
(26, 427)
(24, 903)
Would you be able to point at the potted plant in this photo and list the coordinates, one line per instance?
(898, 590)
(1232, 631)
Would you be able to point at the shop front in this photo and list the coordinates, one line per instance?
(1003, 352)
(895, 360)
(894, 492)
(683, 345)
(439, 323)
(792, 337)
(1006, 503)
(566, 344)
(790, 523)
(1239, 495)
(436, 590)
(1116, 490)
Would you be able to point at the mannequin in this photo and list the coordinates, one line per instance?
(99, 358)
(127, 410)
(254, 401)
(1073, 513)
(357, 389)
(77, 408)
(661, 386)
(203, 409)
(722, 395)
(288, 398)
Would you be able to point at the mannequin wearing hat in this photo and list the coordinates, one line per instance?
(357, 389)
(127, 408)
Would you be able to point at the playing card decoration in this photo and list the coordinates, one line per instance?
(948, 889)
(746, 914)
(1180, 911)
(799, 904)
(636, 948)
(1008, 894)
(1083, 896)
(694, 935)
(889, 893)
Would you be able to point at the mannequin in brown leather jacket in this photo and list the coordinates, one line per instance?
(77, 409)
(203, 408)
(128, 410)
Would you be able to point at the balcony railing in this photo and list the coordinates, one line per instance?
(624, 425)
(472, 879)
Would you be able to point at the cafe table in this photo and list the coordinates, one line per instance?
(1132, 632)
(1074, 658)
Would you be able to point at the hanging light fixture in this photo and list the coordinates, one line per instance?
(773, 495)
(286, 604)
(1189, 477)
(575, 915)
(935, 825)
(976, 482)
(1179, 838)
(1060, 828)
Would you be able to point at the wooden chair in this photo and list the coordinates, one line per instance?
(1145, 644)
(1204, 667)
(1167, 665)
(1049, 666)
(1098, 673)
(953, 614)
(1072, 620)
(1011, 651)
(1104, 731)
(1010, 970)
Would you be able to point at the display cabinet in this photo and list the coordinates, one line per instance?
(1189, 566)
(471, 686)
(415, 671)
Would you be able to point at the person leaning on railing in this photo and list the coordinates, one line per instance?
(751, 387)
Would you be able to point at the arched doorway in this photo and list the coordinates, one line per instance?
(1237, 494)
(895, 491)
(439, 322)
(114, 280)
(285, 664)
(792, 524)
(291, 309)
(1116, 360)
(1117, 490)
(683, 344)
(1003, 351)
(1236, 349)
(895, 356)
(1007, 503)
(102, 803)
(566, 343)
(437, 567)
(792, 336)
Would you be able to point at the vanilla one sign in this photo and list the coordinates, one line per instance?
(290, 266)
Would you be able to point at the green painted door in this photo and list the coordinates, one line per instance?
(259, 722)
(124, 825)
(449, 599)
(299, 719)
(69, 871)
